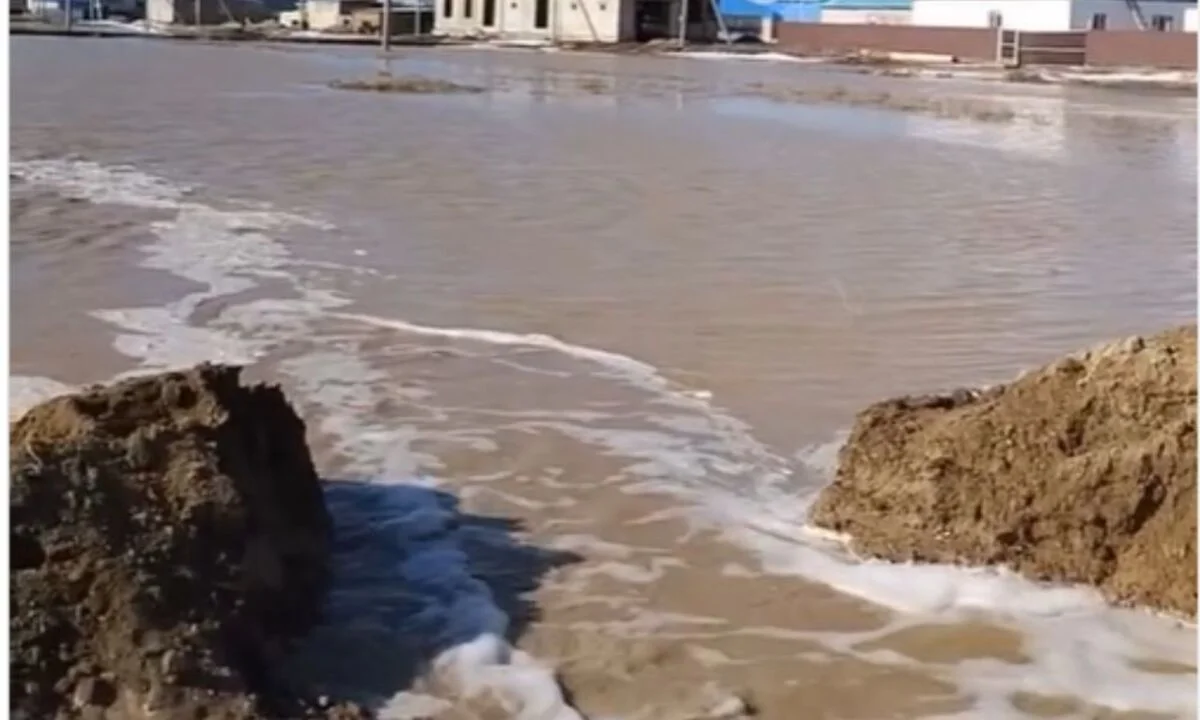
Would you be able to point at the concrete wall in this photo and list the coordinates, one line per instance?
(600, 21)
(829, 39)
(1043, 15)
(1119, 16)
(866, 17)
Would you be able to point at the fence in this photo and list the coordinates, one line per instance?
(1100, 48)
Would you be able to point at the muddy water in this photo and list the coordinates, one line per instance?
(621, 307)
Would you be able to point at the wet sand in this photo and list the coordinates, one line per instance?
(771, 268)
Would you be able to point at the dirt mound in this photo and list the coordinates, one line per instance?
(169, 537)
(1082, 472)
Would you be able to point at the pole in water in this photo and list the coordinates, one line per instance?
(385, 42)
(683, 22)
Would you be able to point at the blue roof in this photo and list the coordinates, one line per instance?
(805, 10)
(785, 10)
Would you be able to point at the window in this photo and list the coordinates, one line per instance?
(467, 9)
(1099, 21)
(447, 8)
(1163, 23)
(995, 19)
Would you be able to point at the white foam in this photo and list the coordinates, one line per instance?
(1079, 645)
(403, 544)
(228, 252)
(25, 391)
(685, 446)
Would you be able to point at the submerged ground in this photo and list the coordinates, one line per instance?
(623, 308)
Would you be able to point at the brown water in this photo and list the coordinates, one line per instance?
(771, 266)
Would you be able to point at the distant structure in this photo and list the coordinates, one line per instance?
(183, 12)
(212, 12)
(601, 21)
(1056, 15)
(361, 16)
(575, 21)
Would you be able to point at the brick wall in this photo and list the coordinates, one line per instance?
(819, 39)
(1137, 48)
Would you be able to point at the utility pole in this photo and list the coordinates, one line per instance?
(197, 8)
(385, 42)
(70, 11)
(683, 22)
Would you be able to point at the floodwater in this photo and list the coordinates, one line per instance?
(579, 350)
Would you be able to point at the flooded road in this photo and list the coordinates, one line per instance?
(628, 305)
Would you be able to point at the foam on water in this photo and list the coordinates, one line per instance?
(682, 444)
(228, 252)
(25, 391)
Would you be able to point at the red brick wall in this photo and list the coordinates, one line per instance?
(818, 39)
(1138, 48)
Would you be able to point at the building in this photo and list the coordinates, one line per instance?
(1055, 15)
(867, 12)
(599, 21)
(575, 21)
(1191, 22)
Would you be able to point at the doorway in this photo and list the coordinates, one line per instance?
(489, 13)
(541, 14)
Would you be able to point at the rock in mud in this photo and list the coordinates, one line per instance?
(169, 538)
(1081, 472)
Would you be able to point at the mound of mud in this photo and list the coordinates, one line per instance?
(386, 83)
(169, 537)
(1082, 472)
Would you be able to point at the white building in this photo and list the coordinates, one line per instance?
(587, 21)
(1191, 22)
(866, 12)
(1055, 15)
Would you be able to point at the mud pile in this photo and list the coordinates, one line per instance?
(1082, 472)
(169, 537)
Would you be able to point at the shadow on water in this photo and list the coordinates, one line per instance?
(413, 575)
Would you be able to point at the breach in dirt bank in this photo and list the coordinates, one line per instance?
(169, 537)
(1083, 472)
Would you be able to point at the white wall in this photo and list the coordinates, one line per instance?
(323, 14)
(1191, 22)
(160, 12)
(1044, 15)
(1121, 17)
(866, 17)
(595, 20)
